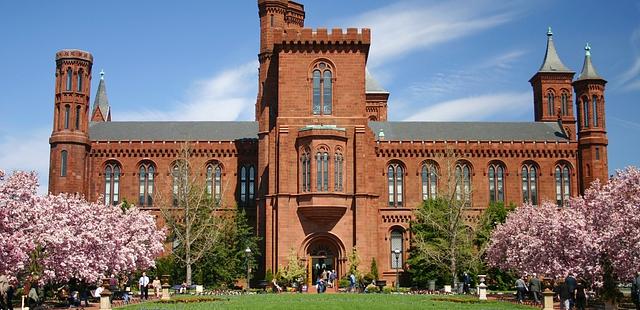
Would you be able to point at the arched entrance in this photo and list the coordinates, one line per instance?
(324, 252)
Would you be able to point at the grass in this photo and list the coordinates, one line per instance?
(335, 301)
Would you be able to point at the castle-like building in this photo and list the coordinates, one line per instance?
(321, 170)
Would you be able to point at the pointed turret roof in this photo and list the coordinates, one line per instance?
(588, 70)
(102, 102)
(552, 62)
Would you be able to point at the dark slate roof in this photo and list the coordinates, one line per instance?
(468, 131)
(102, 102)
(552, 62)
(173, 131)
(588, 70)
(371, 85)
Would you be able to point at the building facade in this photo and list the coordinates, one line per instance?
(321, 170)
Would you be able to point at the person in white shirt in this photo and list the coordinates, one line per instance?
(143, 283)
(99, 290)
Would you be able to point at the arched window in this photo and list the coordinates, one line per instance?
(337, 172)
(63, 163)
(146, 175)
(67, 110)
(252, 182)
(595, 111)
(214, 181)
(322, 89)
(322, 169)
(496, 183)
(565, 107)
(306, 171)
(69, 78)
(396, 244)
(395, 175)
(585, 108)
(77, 117)
(463, 182)
(530, 184)
(563, 184)
(111, 184)
(429, 176)
(550, 103)
(80, 80)
(179, 176)
(243, 185)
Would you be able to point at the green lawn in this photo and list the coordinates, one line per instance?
(333, 301)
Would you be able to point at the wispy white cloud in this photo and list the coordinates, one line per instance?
(27, 151)
(476, 108)
(227, 95)
(630, 79)
(502, 61)
(407, 26)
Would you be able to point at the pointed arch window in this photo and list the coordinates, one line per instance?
(63, 163)
(78, 117)
(429, 176)
(243, 185)
(565, 106)
(396, 244)
(395, 181)
(79, 80)
(69, 78)
(585, 109)
(306, 171)
(214, 181)
(322, 171)
(563, 184)
(252, 182)
(111, 184)
(67, 111)
(550, 103)
(496, 183)
(463, 182)
(337, 171)
(146, 175)
(322, 89)
(179, 178)
(595, 111)
(530, 184)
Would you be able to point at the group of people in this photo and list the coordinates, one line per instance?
(571, 292)
(325, 279)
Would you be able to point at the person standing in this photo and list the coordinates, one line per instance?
(535, 286)
(157, 287)
(466, 279)
(565, 296)
(581, 297)
(635, 290)
(521, 289)
(143, 284)
(571, 283)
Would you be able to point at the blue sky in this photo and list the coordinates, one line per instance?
(196, 60)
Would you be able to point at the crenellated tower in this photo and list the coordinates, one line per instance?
(592, 134)
(70, 136)
(552, 95)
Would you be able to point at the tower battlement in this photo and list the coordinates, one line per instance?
(302, 36)
(74, 54)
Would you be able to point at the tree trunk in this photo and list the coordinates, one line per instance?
(188, 274)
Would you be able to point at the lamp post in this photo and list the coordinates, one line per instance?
(247, 251)
(396, 253)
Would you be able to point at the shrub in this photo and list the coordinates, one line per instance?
(344, 282)
(372, 289)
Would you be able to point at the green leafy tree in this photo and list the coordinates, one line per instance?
(294, 271)
(374, 269)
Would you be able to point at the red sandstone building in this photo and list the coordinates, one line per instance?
(321, 170)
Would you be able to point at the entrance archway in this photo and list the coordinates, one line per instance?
(324, 252)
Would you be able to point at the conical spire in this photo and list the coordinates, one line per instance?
(588, 70)
(552, 62)
(101, 102)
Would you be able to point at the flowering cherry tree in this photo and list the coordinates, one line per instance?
(601, 227)
(63, 236)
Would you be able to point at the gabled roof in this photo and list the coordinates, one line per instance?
(468, 131)
(172, 131)
(552, 62)
(588, 70)
(371, 85)
(102, 102)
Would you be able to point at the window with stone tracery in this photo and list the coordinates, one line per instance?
(111, 183)
(563, 183)
(322, 89)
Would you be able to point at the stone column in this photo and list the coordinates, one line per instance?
(548, 299)
(165, 287)
(105, 295)
(482, 288)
